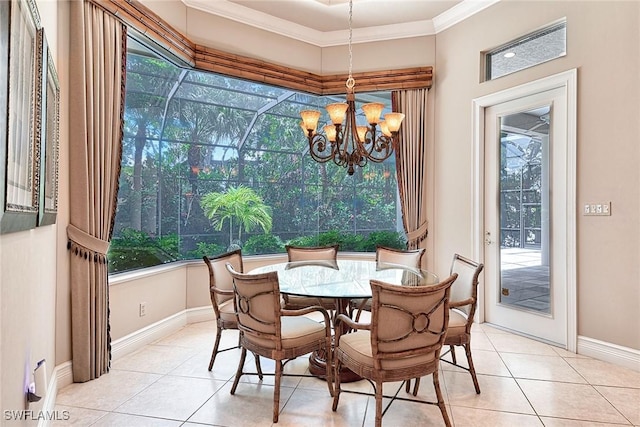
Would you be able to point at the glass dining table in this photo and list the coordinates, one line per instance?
(344, 281)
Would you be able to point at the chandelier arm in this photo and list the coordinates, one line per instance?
(358, 155)
(317, 145)
(369, 143)
(342, 157)
(382, 148)
(337, 146)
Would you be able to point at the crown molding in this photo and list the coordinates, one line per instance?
(459, 13)
(263, 21)
(254, 18)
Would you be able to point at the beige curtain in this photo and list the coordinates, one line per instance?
(411, 163)
(96, 77)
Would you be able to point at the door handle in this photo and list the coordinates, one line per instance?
(487, 238)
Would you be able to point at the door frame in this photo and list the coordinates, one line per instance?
(567, 81)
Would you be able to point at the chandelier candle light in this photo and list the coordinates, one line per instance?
(352, 145)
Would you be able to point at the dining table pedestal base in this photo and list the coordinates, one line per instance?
(318, 368)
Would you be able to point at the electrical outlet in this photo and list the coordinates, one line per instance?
(143, 309)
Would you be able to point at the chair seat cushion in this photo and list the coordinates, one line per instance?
(227, 311)
(297, 331)
(457, 324)
(357, 346)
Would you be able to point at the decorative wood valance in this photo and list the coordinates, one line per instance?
(406, 78)
(134, 14)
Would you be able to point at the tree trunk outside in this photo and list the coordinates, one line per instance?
(136, 193)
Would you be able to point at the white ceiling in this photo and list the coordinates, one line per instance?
(326, 22)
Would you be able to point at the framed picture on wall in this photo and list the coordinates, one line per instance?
(48, 138)
(19, 95)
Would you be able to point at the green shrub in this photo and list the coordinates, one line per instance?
(353, 242)
(390, 239)
(304, 241)
(133, 249)
(263, 244)
(206, 249)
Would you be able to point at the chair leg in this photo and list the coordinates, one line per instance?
(452, 349)
(472, 369)
(239, 372)
(416, 386)
(276, 391)
(215, 348)
(336, 388)
(441, 405)
(258, 367)
(329, 366)
(360, 309)
(378, 422)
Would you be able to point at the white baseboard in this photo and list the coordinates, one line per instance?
(200, 314)
(61, 376)
(147, 335)
(613, 353)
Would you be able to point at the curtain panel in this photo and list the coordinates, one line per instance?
(411, 166)
(97, 77)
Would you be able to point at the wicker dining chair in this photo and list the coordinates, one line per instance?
(464, 300)
(462, 308)
(310, 254)
(221, 293)
(273, 332)
(408, 257)
(386, 255)
(403, 340)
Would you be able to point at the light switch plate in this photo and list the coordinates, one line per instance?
(597, 209)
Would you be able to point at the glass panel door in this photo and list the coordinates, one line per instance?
(524, 210)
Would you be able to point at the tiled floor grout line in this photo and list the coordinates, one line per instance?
(595, 387)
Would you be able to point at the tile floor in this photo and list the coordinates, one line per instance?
(523, 382)
(526, 279)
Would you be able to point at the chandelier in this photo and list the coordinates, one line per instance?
(343, 141)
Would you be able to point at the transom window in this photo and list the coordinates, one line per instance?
(524, 52)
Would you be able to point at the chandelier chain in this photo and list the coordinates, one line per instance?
(350, 39)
